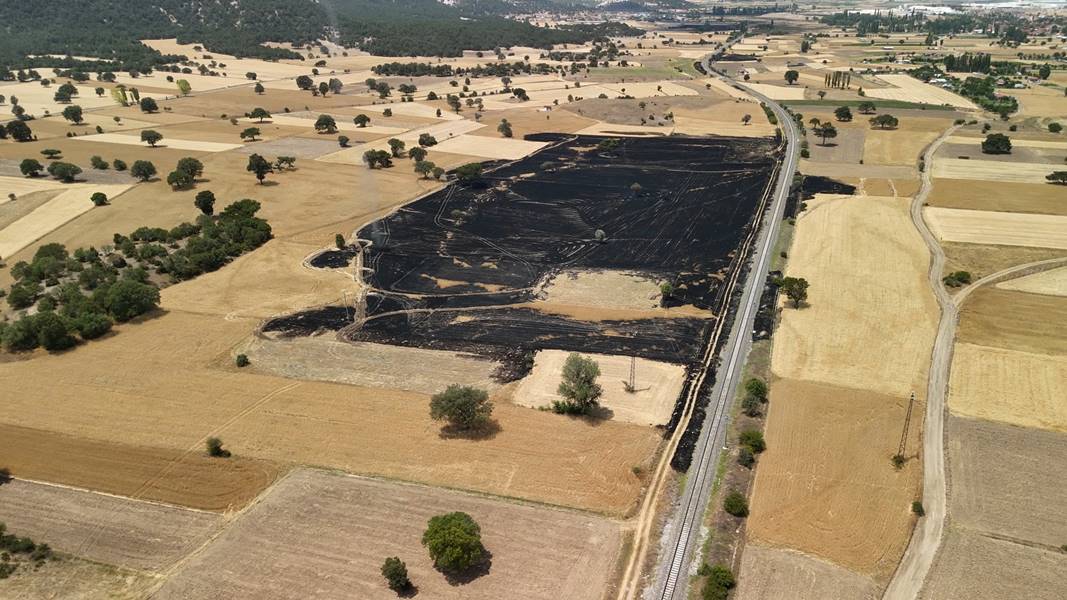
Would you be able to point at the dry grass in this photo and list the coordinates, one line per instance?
(997, 469)
(323, 358)
(1015, 321)
(73, 579)
(658, 385)
(869, 320)
(141, 471)
(489, 148)
(139, 382)
(1005, 196)
(826, 485)
(46, 218)
(997, 228)
(908, 89)
(1021, 388)
(344, 527)
(986, 259)
(603, 289)
(108, 529)
(892, 148)
(992, 170)
(777, 573)
(1050, 283)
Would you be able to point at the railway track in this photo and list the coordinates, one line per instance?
(672, 572)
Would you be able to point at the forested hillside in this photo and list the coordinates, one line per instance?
(111, 28)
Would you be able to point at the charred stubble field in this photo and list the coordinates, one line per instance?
(456, 270)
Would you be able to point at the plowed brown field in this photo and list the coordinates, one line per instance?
(343, 527)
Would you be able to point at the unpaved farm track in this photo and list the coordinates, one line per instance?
(910, 575)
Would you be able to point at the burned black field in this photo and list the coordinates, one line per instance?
(457, 269)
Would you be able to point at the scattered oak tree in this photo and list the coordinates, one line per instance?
(791, 76)
(325, 124)
(148, 105)
(259, 113)
(396, 574)
(996, 143)
(454, 541)
(579, 388)
(260, 167)
(73, 113)
(795, 288)
(30, 167)
(250, 134)
(205, 202)
(151, 137)
(464, 407)
(417, 153)
(143, 170)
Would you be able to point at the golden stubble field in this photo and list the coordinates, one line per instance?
(869, 319)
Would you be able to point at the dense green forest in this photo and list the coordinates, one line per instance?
(110, 29)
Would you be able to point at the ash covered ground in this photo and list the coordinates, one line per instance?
(449, 269)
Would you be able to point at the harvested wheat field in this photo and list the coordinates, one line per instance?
(658, 385)
(994, 467)
(986, 259)
(991, 170)
(908, 89)
(139, 382)
(604, 289)
(896, 147)
(21, 186)
(490, 148)
(998, 228)
(75, 579)
(344, 526)
(1015, 321)
(102, 528)
(52, 214)
(145, 472)
(1049, 283)
(323, 358)
(971, 565)
(778, 573)
(1015, 387)
(884, 326)
(1005, 196)
(168, 142)
(826, 486)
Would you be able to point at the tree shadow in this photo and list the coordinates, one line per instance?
(464, 577)
(5, 476)
(487, 431)
(410, 591)
(269, 183)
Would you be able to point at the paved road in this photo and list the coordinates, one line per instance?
(673, 572)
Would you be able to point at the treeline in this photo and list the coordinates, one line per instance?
(110, 29)
(83, 293)
(968, 63)
(421, 36)
(494, 69)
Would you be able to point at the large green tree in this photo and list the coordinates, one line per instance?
(464, 407)
(578, 386)
(454, 541)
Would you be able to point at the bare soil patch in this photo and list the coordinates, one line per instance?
(606, 288)
(145, 472)
(1021, 388)
(895, 148)
(324, 358)
(847, 147)
(1004, 196)
(777, 573)
(658, 385)
(346, 526)
(102, 528)
(971, 564)
(1015, 321)
(826, 485)
(995, 466)
(883, 329)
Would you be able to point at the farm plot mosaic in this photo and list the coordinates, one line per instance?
(464, 268)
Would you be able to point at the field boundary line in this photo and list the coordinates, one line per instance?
(75, 488)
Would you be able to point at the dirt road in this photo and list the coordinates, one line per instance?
(908, 579)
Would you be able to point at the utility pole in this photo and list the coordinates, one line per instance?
(907, 424)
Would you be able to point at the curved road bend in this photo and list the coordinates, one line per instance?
(673, 576)
(911, 573)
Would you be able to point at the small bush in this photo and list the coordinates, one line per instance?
(720, 580)
(753, 440)
(214, 448)
(899, 460)
(242, 360)
(396, 574)
(736, 504)
(917, 508)
(746, 458)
